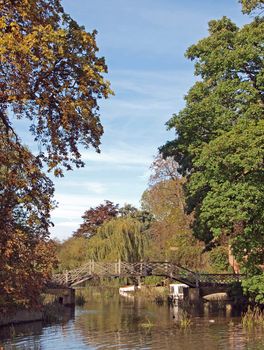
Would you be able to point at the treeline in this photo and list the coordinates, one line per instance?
(159, 231)
(209, 206)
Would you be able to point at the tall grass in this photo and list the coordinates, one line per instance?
(253, 317)
(185, 320)
(156, 294)
(53, 312)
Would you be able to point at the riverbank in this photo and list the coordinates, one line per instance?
(52, 306)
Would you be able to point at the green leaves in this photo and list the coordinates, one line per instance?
(220, 138)
(250, 5)
(254, 287)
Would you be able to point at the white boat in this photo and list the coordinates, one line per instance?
(127, 289)
(177, 291)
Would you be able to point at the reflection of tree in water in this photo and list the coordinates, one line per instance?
(110, 321)
(10, 335)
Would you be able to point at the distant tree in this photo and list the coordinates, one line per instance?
(119, 238)
(170, 234)
(72, 253)
(141, 215)
(95, 217)
(163, 169)
(128, 210)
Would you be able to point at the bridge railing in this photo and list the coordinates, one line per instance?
(220, 278)
(141, 269)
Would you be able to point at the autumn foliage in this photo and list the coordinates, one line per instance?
(93, 218)
(50, 74)
(26, 255)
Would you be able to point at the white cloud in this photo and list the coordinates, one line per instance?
(68, 216)
(93, 187)
(131, 157)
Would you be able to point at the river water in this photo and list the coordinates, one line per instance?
(109, 321)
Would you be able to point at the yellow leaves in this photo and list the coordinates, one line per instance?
(2, 23)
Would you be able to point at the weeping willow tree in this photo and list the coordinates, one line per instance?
(120, 238)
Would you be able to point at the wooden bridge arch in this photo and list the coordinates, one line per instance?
(122, 269)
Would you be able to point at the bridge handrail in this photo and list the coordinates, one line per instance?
(142, 268)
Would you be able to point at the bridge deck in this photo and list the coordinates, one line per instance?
(142, 269)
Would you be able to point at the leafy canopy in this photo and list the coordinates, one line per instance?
(26, 255)
(95, 217)
(50, 74)
(219, 142)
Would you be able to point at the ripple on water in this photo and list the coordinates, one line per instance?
(117, 324)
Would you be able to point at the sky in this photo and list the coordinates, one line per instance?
(143, 42)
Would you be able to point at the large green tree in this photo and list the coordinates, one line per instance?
(219, 142)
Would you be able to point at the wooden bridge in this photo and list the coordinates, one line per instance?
(122, 269)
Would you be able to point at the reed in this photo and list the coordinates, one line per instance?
(253, 317)
(148, 324)
(156, 294)
(185, 320)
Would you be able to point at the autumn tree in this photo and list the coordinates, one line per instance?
(95, 217)
(170, 234)
(26, 254)
(219, 143)
(51, 75)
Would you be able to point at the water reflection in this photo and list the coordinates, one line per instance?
(109, 321)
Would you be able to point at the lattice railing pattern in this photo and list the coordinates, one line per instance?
(141, 269)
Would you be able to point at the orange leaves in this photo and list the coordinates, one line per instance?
(26, 263)
(26, 257)
(52, 76)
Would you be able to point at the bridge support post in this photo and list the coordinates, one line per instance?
(66, 277)
(192, 295)
(197, 280)
(119, 267)
(90, 267)
(139, 282)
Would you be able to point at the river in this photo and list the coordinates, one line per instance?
(109, 321)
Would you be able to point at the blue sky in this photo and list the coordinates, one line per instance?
(143, 42)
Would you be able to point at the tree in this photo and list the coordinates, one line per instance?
(219, 144)
(143, 216)
(95, 217)
(119, 238)
(170, 235)
(250, 5)
(27, 256)
(50, 74)
(72, 253)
